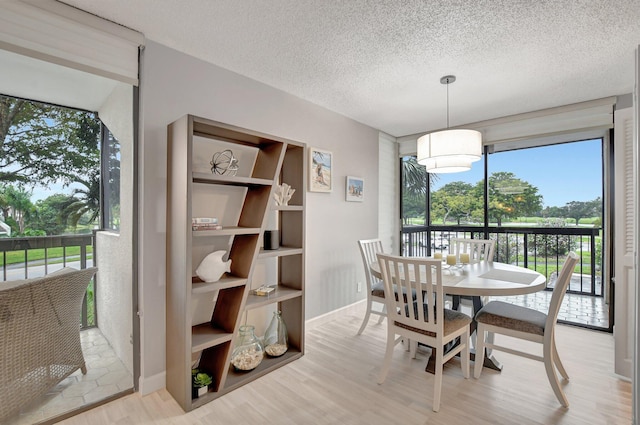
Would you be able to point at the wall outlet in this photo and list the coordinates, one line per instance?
(359, 287)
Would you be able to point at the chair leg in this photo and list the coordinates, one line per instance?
(366, 318)
(413, 348)
(479, 359)
(557, 362)
(437, 385)
(391, 343)
(464, 354)
(491, 338)
(381, 317)
(549, 366)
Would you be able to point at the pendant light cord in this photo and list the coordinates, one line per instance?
(447, 104)
(447, 79)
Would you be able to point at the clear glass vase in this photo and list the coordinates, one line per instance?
(275, 338)
(248, 352)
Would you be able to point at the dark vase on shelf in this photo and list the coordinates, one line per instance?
(271, 239)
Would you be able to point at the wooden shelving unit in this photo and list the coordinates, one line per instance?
(203, 317)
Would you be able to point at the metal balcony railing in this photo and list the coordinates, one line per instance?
(539, 248)
(30, 257)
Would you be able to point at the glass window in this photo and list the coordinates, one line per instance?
(110, 180)
(561, 182)
(458, 198)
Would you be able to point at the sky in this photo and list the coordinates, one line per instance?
(562, 173)
(43, 192)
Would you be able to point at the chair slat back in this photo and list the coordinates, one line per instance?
(564, 278)
(478, 249)
(422, 276)
(368, 249)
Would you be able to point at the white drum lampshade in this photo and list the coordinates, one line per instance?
(449, 151)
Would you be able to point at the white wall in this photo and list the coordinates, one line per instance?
(389, 199)
(114, 259)
(174, 84)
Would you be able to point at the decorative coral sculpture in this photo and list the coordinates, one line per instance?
(283, 193)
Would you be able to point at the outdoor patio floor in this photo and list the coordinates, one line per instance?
(579, 309)
(106, 376)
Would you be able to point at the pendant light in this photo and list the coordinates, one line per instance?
(449, 151)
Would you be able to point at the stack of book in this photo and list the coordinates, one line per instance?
(205, 223)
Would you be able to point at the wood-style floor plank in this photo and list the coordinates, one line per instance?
(335, 383)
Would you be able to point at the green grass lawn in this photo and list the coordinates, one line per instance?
(54, 255)
(521, 221)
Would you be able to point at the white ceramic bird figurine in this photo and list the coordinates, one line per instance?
(212, 267)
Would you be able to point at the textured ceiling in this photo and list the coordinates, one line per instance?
(380, 61)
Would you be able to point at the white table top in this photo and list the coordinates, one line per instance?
(486, 279)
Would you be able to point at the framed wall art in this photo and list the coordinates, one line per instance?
(355, 189)
(320, 170)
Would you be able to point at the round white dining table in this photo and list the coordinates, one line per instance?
(484, 278)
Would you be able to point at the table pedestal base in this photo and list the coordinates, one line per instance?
(489, 360)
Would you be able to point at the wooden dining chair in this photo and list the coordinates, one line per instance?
(375, 289)
(478, 249)
(525, 323)
(427, 322)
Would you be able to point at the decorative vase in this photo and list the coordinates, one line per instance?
(248, 352)
(271, 239)
(275, 338)
(199, 392)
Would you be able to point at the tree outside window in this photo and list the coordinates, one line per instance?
(54, 151)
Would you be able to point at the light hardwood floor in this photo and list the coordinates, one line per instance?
(335, 383)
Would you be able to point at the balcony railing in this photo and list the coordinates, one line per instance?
(539, 248)
(30, 257)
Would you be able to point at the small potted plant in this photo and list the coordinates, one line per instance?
(201, 381)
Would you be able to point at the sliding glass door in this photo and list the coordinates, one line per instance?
(537, 202)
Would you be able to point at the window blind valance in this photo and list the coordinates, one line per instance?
(54, 32)
(586, 119)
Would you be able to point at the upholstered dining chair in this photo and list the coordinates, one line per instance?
(375, 289)
(427, 322)
(525, 323)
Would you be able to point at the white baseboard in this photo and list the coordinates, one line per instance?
(152, 383)
(358, 307)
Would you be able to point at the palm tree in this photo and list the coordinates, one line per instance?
(4, 205)
(85, 201)
(17, 202)
(415, 177)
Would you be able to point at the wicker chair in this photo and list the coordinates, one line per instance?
(39, 335)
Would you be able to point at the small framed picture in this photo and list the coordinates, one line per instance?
(320, 170)
(355, 189)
